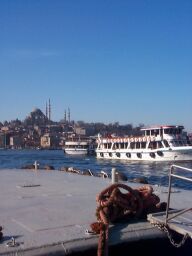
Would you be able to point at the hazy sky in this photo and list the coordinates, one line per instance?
(107, 60)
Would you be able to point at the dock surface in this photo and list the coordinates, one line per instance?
(47, 212)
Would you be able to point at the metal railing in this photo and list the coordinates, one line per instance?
(172, 174)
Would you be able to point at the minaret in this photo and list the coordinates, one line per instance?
(49, 110)
(46, 111)
(65, 117)
(69, 115)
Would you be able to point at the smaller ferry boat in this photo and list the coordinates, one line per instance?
(79, 146)
(158, 143)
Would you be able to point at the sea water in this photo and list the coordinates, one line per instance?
(156, 173)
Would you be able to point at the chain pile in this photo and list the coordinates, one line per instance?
(115, 206)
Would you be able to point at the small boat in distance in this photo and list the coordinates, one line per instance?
(79, 146)
(158, 143)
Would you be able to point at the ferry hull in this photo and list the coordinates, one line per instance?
(146, 156)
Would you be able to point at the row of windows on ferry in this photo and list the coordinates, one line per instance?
(151, 144)
(155, 132)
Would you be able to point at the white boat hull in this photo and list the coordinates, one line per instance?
(76, 152)
(159, 155)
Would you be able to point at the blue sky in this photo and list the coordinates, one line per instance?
(107, 60)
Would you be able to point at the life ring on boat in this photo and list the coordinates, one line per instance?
(159, 153)
(139, 155)
(152, 154)
(118, 155)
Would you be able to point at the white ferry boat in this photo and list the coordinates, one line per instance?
(158, 143)
(79, 147)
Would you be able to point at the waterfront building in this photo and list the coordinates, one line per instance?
(16, 142)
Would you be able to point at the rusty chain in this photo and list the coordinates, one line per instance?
(163, 227)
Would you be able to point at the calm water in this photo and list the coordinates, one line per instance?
(155, 173)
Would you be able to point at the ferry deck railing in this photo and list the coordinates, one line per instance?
(171, 175)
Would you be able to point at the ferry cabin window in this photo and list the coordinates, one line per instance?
(109, 145)
(115, 145)
(159, 144)
(166, 143)
(143, 144)
(121, 145)
(137, 144)
(173, 131)
(155, 144)
(132, 145)
(152, 145)
(148, 132)
(166, 131)
(156, 132)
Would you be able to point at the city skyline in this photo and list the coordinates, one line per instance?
(108, 61)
